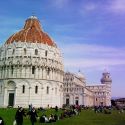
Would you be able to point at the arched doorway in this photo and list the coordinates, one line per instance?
(11, 99)
(77, 100)
(67, 100)
(11, 93)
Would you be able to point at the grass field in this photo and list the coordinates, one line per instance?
(86, 117)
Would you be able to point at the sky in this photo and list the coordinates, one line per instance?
(90, 34)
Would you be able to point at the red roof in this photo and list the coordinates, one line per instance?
(31, 33)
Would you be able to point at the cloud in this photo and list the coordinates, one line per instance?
(112, 6)
(94, 49)
(89, 6)
(87, 62)
(117, 6)
(92, 56)
(60, 3)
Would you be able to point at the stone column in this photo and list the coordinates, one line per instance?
(23, 72)
(29, 96)
(15, 71)
(5, 72)
(7, 75)
(15, 95)
(42, 93)
(0, 72)
(41, 72)
(5, 97)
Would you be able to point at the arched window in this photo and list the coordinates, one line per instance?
(13, 51)
(36, 52)
(1, 89)
(36, 89)
(48, 71)
(55, 90)
(23, 89)
(24, 51)
(46, 53)
(33, 69)
(47, 90)
(12, 70)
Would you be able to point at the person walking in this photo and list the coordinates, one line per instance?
(19, 116)
(33, 115)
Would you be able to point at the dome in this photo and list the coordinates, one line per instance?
(106, 77)
(31, 33)
(106, 80)
(80, 75)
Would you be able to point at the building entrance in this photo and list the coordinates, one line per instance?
(67, 101)
(11, 99)
(77, 102)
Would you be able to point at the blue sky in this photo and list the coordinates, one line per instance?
(90, 33)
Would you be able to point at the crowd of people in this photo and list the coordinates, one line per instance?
(21, 112)
(32, 113)
(102, 109)
(65, 112)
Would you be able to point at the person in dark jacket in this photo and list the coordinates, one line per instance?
(33, 115)
(1, 121)
(19, 116)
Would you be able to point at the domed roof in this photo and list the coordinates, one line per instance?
(31, 33)
(106, 77)
(80, 75)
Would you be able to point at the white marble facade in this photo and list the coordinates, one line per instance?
(76, 90)
(32, 72)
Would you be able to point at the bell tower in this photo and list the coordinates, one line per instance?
(106, 79)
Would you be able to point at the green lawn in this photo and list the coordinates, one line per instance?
(86, 117)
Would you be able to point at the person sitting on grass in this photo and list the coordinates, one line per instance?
(61, 116)
(42, 119)
(51, 118)
(107, 111)
(56, 117)
(46, 119)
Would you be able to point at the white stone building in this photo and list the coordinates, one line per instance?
(76, 91)
(31, 68)
(32, 72)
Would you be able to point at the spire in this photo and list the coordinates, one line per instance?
(79, 71)
(33, 17)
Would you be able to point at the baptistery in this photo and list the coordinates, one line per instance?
(31, 68)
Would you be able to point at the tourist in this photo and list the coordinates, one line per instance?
(33, 115)
(51, 118)
(42, 119)
(56, 117)
(56, 108)
(1, 121)
(46, 118)
(19, 116)
(30, 107)
(61, 116)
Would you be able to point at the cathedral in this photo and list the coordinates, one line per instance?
(32, 72)
(77, 92)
